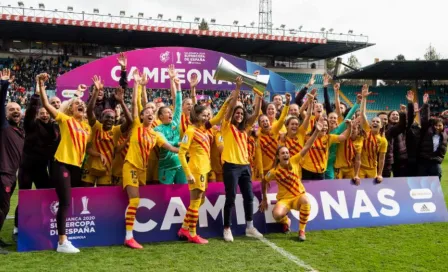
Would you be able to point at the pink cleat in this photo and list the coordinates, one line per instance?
(302, 236)
(132, 244)
(197, 240)
(286, 228)
(183, 234)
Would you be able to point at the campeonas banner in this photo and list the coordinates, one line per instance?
(155, 61)
(97, 215)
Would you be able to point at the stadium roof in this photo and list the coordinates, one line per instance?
(400, 70)
(143, 33)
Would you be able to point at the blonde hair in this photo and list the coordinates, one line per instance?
(66, 106)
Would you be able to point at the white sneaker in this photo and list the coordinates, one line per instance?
(67, 247)
(253, 232)
(228, 237)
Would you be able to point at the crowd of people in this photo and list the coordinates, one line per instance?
(110, 143)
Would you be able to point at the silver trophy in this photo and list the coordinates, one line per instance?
(178, 58)
(85, 202)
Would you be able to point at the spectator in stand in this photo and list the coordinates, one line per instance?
(11, 146)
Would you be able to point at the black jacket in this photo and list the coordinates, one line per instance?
(427, 152)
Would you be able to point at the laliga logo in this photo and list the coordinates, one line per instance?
(54, 206)
(164, 57)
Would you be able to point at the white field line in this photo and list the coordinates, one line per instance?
(287, 255)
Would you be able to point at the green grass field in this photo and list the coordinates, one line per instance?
(399, 248)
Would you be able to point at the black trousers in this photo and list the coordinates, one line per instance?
(400, 169)
(64, 177)
(237, 175)
(32, 171)
(7, 186)
(307, 175)
(428, 168)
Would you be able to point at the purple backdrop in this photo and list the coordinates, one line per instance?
(155, 61)
(97, 214)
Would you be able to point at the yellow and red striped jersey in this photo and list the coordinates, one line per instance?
(196, 142)
(141, 143)
(316, 159)
(74, 136)
(102, 142)
(346, 152)
(215, 155)
(295, 144)
(184, 123)
(119, 157)
(288, 179)
(373, 145)
(235, 144)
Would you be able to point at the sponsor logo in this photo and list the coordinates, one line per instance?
(421, 193)
(54, 206)
(424, 207)
(70, 93)
(165, 57)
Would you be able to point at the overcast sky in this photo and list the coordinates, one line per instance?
(395, 26)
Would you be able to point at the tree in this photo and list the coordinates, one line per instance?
(331, 65)
(203, 25)
(353, 62)
(400, 57)
(431, 53)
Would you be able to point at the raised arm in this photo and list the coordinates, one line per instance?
(123, 62)
(119, 96)
(253, 118)
(425, 112)
(410, 109)
(6, 79)
(344, 136)
(44, 98)
(365, 93)
(135, 100)
(327, 102)
(337, 102)
(234, 99)
(92, 102)
(302, 93)
(193, 83)
(281, 121)
(220, 115)
(319, 126)
(177, 101)
(309, 104)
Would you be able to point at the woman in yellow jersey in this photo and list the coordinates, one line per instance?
(348, 155)
(374, 145)
(287, 171)
(268, 135)
(66, 167)
(294, 139)
(255, 155)
(236, 167)
(216, 146)
(142, 141)
(315, 161)
(98, 167)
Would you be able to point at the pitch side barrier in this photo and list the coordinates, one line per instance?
(97, 215)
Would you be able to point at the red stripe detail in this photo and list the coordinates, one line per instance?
(193, 211)
(236, 138)
(132, 208)
(312, 155)
(131, 213)
(283, 181)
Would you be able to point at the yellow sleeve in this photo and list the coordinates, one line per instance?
(277, 126)
(334, 139)
(383, 145)
(258, 158)
(139, 100)
(358, 145)
(61, 117)
(225, 126)
(218, 139)
(220, 115)
(160, 140)
(184, 147)
(296, 159)
(270, 175)
(365, 126)
(97, 125)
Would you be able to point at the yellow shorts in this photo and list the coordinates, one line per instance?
(89, 177)
(345, 173)
(132, 176)
(218, 177)
(291, 203)
(367, 173)
(200, 182)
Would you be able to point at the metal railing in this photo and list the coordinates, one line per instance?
(142, 21)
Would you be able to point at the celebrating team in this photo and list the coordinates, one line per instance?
(150, 143)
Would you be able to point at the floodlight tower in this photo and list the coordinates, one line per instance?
(265, 17)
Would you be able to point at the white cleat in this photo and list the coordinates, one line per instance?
(67, 247)
(253, 232)
(228, 237)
